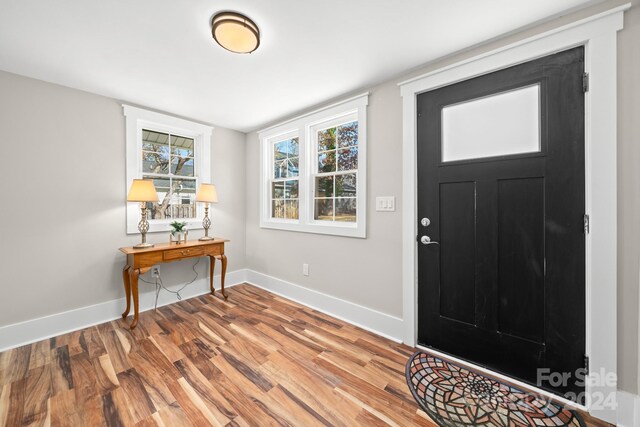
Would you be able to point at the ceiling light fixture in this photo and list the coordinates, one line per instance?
(235, 32)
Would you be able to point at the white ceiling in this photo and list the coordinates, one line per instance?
(160, 54)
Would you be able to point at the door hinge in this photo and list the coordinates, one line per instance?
(586, 364)
(587, 224)
(585, 82)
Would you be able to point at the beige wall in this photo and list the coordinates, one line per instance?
(368, 272)
(365, 271)
(63, 215)
(62, 212)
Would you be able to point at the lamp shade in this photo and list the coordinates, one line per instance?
(142, 190)
(235, 32)
(207, 193)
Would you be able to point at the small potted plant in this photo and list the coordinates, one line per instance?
(178, 232)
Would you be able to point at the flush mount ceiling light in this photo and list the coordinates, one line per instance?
(235, 32)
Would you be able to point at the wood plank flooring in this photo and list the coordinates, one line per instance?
(254, 360)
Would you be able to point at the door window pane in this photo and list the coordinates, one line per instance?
(497, 125)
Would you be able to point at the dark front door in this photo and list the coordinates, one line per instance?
(501, 170)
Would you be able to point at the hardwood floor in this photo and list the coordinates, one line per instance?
(255, 360)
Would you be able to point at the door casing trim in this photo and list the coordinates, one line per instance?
(598, 34)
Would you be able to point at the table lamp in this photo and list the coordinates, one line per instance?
(207, 193)
(143, 191)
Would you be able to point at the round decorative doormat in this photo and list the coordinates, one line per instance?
(455, 396)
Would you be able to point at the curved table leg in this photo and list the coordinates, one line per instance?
(127, 290)
(223, 258)
(133, 276)
(212, 267)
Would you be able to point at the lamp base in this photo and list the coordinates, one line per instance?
(143, 246)
(205, 238)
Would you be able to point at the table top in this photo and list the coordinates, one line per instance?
(165, 246)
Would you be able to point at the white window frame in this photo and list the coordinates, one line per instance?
(302, 127)
(138, 119)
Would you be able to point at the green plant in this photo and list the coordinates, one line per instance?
(178, 227)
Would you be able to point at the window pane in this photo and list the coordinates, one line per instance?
(181, 146)
(346, 210)
(163, 188)
(162, 184)
(155, 148)
(155, 162)
(285, 148)
(348, 159)
(152, 137)
(291, 207)
(184, 185)
(280, 150)
(327, 162)
(348, 134)
(497, 125)
(277, 207)
(324, 210)
(293, 148)
(292, 166)
(327, 139)
(280, 169)
(277, 190)
(182, 203)
(182, 166)
(346, 185)
(291, 191)
(176, 198)
(324, 186)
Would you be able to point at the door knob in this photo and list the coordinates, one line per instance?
(426, 240)
(425, 222)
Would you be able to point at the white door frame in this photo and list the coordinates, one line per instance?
(598, 35)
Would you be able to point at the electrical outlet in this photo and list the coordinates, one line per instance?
(155, 272)
(386, 204)
(305, 269)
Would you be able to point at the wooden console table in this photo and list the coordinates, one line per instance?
(139, 261)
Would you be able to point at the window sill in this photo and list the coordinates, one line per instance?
(342, 230)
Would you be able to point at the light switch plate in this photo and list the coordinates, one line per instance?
(386, 204)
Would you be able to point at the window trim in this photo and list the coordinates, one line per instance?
(136, 120)
(303, 126)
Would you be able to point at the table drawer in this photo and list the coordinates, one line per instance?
(182, 253)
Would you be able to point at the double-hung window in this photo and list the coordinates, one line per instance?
(174, 154)
(314, 171)
(335, 174)
(285, 175)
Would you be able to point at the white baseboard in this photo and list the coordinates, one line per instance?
(34, 330)
(628, 409)
(366, 318)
